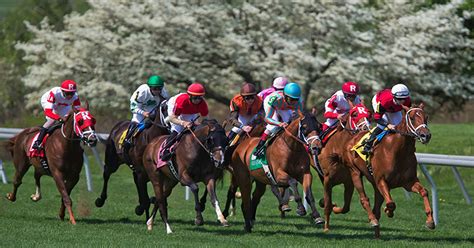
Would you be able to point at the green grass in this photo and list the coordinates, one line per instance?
(26, 224)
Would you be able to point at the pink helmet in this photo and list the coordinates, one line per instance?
(350, 88)
(280, 83)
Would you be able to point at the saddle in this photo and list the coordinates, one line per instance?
(359, 146)
(327, 134)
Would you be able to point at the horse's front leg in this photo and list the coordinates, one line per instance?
(111, 165)
(186, 180)
(418, 188)
(301, 211)
(140, 178)
(210, 185)
(66, 202)
(158, 180)
(37, 195)
(364, 200)
(390, 206)
(307, 181)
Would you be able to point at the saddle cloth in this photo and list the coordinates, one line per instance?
(359, 146)
(37, 153)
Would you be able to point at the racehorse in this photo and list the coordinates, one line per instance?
(288, 159)
(199, 158)
(393, 164)
(335, 173)
(64, 156)
(114, 157)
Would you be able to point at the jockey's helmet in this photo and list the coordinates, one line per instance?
(292, 90)
(248, 89)
(155, 81)
(350, 88)
(280, 82)
(68, 86)
(400, 91)
(196, 89)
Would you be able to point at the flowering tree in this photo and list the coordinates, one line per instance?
(116, 44)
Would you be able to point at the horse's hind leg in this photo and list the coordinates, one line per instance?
(230, 201)
(348, 192)
(327, 202)
(301, 211)
(256, 196)
(215, 203)
(21, 167)
(111, 165)
(307, 181)
(282, 199)
(37, 195)
(418, 188)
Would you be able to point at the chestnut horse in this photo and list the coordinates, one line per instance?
(335, 173)
(64, 156)
(393, 164)
(287, 158)
(114, 157)
(199, 158)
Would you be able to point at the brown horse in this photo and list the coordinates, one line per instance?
(64, 156)
(114, 157)
(199, 158)
(393, 164)
(288, 159)
(335, 173)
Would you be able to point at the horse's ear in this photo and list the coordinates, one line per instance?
(422, 105)
(314, 111)
(87, 105)
(405, 108)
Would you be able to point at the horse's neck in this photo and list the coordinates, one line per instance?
(66, 131)
(291, 141)
(403, 129)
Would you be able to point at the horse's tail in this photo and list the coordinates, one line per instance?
(334, 159)
(10, 144)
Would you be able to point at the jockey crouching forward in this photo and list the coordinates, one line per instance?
(387, 106)
(145, 99)
(182, 110)
(56, 104)
(279, 106)
(338, 105)
(244, 108)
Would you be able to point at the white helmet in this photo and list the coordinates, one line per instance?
(400, 91)
(280, 83)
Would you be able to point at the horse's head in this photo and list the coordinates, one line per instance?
(417, 123)
(309, 129)
(358, 119)
(216, 141)
(84, 124)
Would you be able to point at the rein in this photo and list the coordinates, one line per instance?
(412, 131)
(200, 143)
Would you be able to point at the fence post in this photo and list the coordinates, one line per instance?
(88, 173)
(97, 157)
(461, 185)
(2, 173)
(434, 192)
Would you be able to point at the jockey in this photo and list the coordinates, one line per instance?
(387, 106)
(278, 85)
(244, 107)
(182, 110)
(56, 104)
(338, 105)
(279, 107)
(145, 99)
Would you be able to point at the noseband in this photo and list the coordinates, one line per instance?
(411, 128)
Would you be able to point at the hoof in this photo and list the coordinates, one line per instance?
(301, 211)
(73, 222)
(430, 225)
(199, 222)
(225, 223)
(319, 221)
(285, 208)
(139, 210)
(238, 195)
(11, 197)
(326, 230)
(35, 197)
(99, 202)
(248, 229)
(389, 208)
(374, 223)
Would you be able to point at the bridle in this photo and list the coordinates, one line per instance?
(411, 128)
(210, 151)
(88, 136)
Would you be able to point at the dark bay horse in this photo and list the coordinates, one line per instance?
(64, 156)
(114, 157)
(199, 158)
(393, 164)
(287, 158)
(335, 173)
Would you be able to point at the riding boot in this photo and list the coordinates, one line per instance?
(166, 154)
(42, 133)
(127, 142)
(369, 142)
(260, 146)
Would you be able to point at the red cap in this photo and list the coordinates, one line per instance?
(350, 88)
(196, 89)
(68, 86)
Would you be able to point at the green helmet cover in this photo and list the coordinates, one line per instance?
(155, 81)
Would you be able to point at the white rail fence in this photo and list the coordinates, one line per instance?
(423, 159)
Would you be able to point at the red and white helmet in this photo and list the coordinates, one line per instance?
(196, 89)
(68, 86)
(280, 83)
(350, 88)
